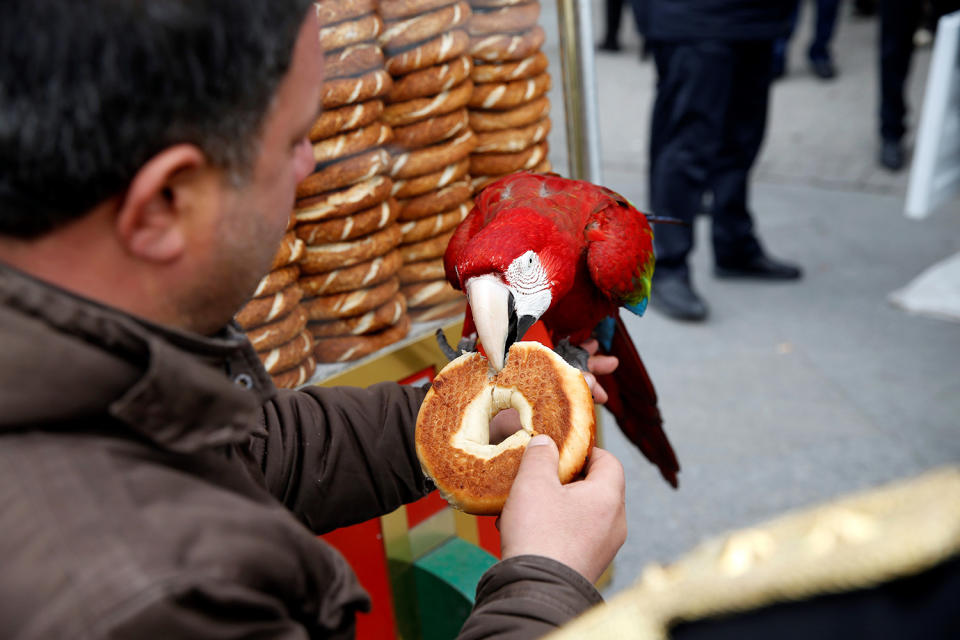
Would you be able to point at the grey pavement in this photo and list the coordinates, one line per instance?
(790, 394)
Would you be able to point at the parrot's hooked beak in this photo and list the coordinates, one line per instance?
(495, 315)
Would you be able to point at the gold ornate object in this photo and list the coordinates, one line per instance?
(852, 543)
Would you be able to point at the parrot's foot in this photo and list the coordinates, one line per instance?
(445, 346)
(465, 344)
(575, 356)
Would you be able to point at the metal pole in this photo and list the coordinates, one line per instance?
(579, 89)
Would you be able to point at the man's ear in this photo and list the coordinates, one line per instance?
(152, 216)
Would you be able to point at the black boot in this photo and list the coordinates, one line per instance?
(672, 295)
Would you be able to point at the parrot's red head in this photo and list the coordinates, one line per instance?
(512, 264)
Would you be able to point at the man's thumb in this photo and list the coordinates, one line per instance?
(540, 459)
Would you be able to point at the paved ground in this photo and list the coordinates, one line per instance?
(789, 394)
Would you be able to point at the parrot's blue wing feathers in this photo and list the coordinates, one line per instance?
(603, 332)
(637, 308)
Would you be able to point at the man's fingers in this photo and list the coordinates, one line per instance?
(540, 462)
(602, 365)
(590, 346)
(604, 468)
(599, 393)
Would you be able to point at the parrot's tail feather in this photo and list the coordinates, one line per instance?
(633, 402)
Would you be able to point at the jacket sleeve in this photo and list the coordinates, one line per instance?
(527, 597)
(341, 455)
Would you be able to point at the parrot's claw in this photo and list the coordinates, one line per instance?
(575, 356)
(445, 346)
(465, 345)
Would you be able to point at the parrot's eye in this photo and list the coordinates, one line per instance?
(526, 272)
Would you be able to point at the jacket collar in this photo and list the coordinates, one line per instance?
(65, 358)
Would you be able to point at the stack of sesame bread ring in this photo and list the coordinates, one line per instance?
(425, 43)
(275, 322)
(509, 108)
(346, 215)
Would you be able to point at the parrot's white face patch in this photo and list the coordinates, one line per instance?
(530, 284)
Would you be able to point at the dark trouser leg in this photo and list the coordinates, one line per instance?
(823, 29)
(898, 21)
(743, 130)
(693, 86)
(614, 11)
(780, 44)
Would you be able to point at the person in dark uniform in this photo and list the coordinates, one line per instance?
(899, 20)
(713, 61)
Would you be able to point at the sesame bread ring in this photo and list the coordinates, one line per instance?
(358, 276)
(352, 60)
(332, 11)
(403, 113)
(512, 140)
(430, 81)
(343, 202)
(417, 230)
(344, 34)
(507, 47)
(351, 142)
(297, 376)
(431, 292)
(517, 117)
(453, 426)
(290, 251)
(336, 255)
(350, 227)
(402, 33)
(393, 9)
(351, 116)
(429, 248)
(287, 355)
(495, 164)
(276, 280)
(430, 131)
(440, 49)
(260, 311)
(386, 315)
(421, 271)
(507, 95)
(274, 334)
(543, 167)
(341, 91)
(438, 311)
(344, 173)
(508, 19)
(432, 158)
(350, 303)
(434, 202)
(347, 348)
(508, 71)
(431, 181)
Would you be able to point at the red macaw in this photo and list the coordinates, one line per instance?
(571, 254)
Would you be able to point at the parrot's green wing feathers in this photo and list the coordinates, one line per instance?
(620, 253)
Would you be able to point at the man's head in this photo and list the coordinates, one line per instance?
(179, 127)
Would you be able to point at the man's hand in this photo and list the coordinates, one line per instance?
(599, 365)
(581, 524)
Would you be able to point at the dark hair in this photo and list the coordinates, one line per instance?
(90, 90)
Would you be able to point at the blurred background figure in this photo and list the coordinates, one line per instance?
(613, 12)
(713, 78)
(818, 53)
(899, 22)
